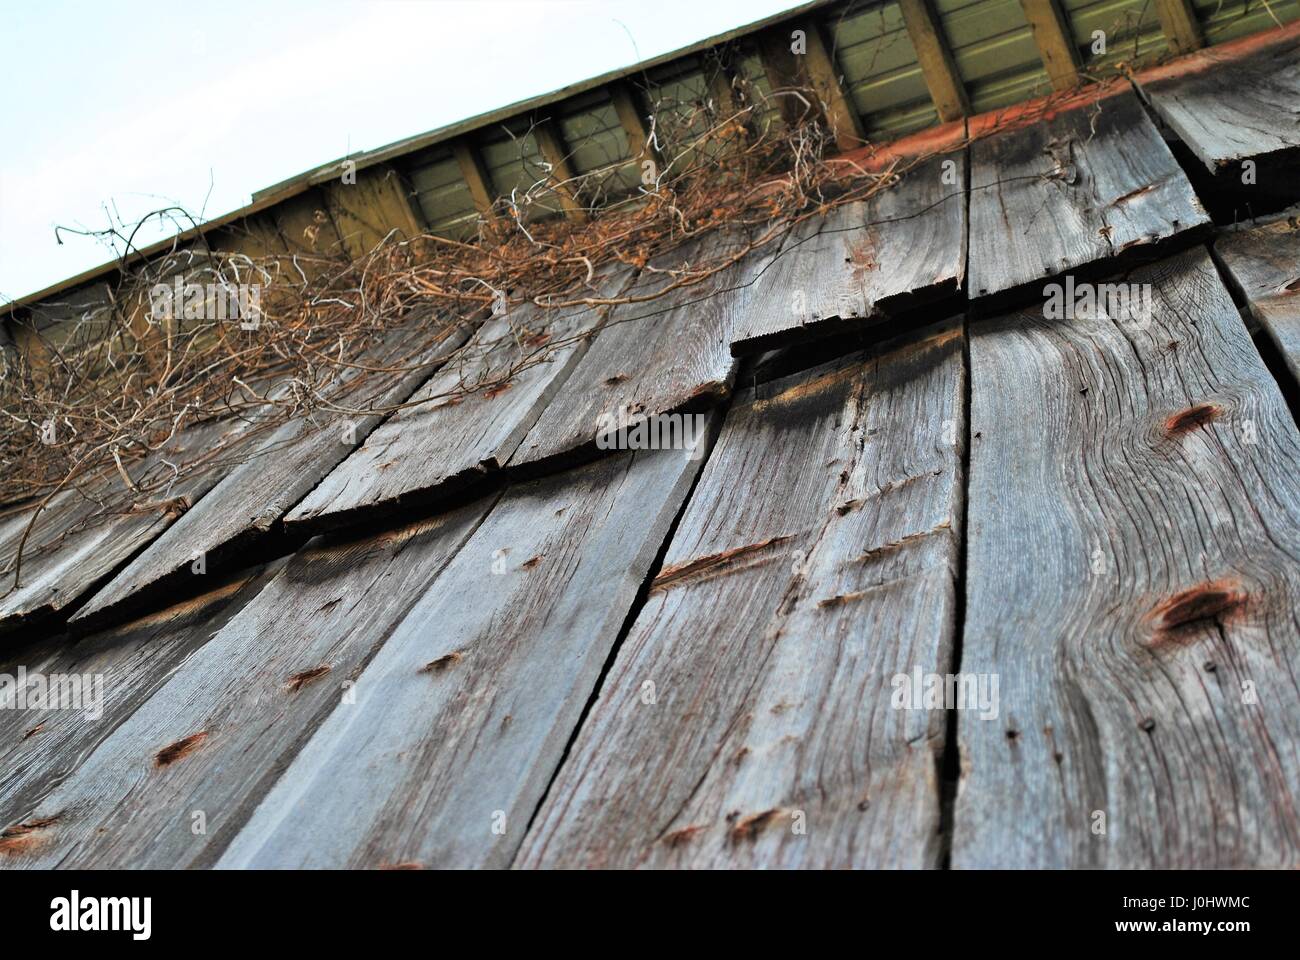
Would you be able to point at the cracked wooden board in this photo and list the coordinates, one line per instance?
(1133, 560)
(1078, 187)
(863, 261)
(75, 544)
(752, 697)
(215, 737)
(660, 356)
(458, 730)
(1264, 264)
(1229, 108)
(40, 747)
(247, 504)
(511, 368)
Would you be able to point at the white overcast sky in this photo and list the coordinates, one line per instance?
(131, 106)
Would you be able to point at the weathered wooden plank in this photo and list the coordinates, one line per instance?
(305, 224)
(1178, 22)
(1133, 580)
(367, 207)
(273, 475)
(173, 784)
(1230, 108)
(256, 237)
(1084, 185)
(662, 355)
(784, 77)
(458, 732)
(1053, 37)
(825, 78)
(41, 744)
(471, 416)
(75, 543)
(1264, 263)
(937, 66)
(863, 261)
(747, 719)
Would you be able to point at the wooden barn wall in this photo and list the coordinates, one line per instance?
(992, 48)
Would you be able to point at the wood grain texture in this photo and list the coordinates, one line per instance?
(1264, 264)
(250, 500)
(823, 74)
(1235, 110)
(815, 560)
(39, 748)
(1178, 23)
(1052, 36)
(307, 229)
(1133, 561)
(1083, 186)
(863, 261)
(75, 543)
(470, 417)
(215, 737)
(663, 355)
(937, 66)
(475, 175)
(466, 711)
(371, 208)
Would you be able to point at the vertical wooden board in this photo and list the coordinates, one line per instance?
(474, 174)
(273, 474)
(1264, 263)
(1056, 47)
(304, 223)
(1229, 108)
(1178, 22)
(75, 543)
(256, 237)
(1133, 580)
(824, 75)
(1081, 186)
(747, 719)
(215, 737)
(366, 212)
(861, 261)
(119, 669)
(470, 416)
(660, 355)
(935, 57)
(458, 730)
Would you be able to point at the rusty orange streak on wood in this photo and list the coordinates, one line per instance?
(300, 680)
(1187, 420)
(180, 749)
(22, 837)
(716, 562)
(1205, 601)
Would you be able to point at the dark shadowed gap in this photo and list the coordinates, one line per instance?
(950, 761)
(634, 610)
(1275, 361)
(1269, 350)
